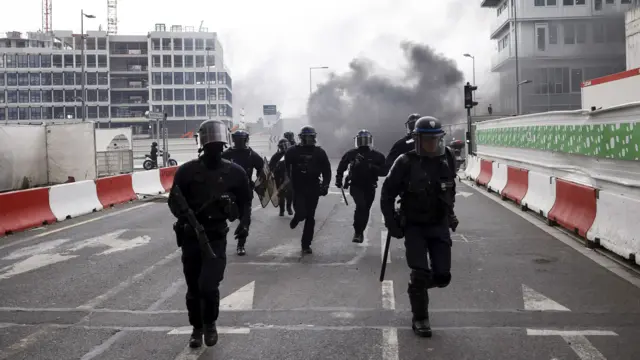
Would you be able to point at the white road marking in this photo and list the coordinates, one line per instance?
(38, 249)
(535, 301)
(390, 344)
(110, 214)
(32, 263)
(123, 285)
(100, 349)
(606, 263)
(364, 246)
(544, 332)
(23, 343)
(463, 193)
(383, 243)
(113, 242)
(186, 330)
(388, 296)
(166, 294)
(241, 299)
(577, 340)
(191, 354)
(282, 251)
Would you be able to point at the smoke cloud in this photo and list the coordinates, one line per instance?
(364, 98)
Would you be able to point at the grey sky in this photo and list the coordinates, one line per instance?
(269, 45)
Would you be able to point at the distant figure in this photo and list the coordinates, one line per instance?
(490, 109)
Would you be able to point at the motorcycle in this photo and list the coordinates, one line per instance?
(149, 164)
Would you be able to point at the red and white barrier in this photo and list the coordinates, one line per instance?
(166, 177)
(575, 206)
(74, 199)
(486, 172)
(541, 193)
(473, 167)
(147, 183)
(616, 226)
(517, 184)
(115, 190)
(498, 177)
(21, 210)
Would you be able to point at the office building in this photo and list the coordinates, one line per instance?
(178, 71)
(560, 44)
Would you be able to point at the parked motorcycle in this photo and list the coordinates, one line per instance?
(149, 164)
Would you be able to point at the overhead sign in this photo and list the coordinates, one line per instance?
(155, 115)
(269, 110)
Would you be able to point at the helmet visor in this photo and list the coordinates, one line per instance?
(366, 140)
(429, 145)
(307, 139)
(284, 145)
(214, 132)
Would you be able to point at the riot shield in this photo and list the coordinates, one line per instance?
(262, 187)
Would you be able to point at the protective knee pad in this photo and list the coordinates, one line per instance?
(419, 280)
(442, 280)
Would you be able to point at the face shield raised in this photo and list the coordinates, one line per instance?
(364, 138)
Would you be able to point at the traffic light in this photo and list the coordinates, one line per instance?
(468, 96)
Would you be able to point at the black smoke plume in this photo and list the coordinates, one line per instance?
(360, 99)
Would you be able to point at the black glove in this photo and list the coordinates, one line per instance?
(324, 190)
(339, 183)
(453, 222)
(394, 229)
(241, 232)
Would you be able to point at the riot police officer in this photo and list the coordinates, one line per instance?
(214, 190)
(305, 163)
(365, 166)
(249, 160)
(424, 180)
(153, 155)
(405, 144)
(277, 168)
(291, 137)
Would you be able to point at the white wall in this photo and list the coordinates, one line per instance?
(22, 155)
(611, 93)
(632, 22)
(71, 151)
(112, 139)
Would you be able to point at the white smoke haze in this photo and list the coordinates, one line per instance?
(367, 98)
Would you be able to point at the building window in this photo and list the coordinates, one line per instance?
(34, 61)
(536, 3)
(102, 61)
(212, 93)
(581, 33)
(103, 95)
(69, 78)
(166, 44)
(102, 44)
(91, 61)
(167, 78)
(46, 96)
(2, 82)
(156, 78)
(576, 80)
(178, 78)
(598, 32)
(103, 112)
(223, 110)
(177, 61)
(178, 94)
(58, 96)
(188, 45)
(34, 79)
(211, 60)
(168, 109)
(2, 116)
(23, 61)
(92, 95)
(12, 97)
(212, 78)
(23, 113)
(47, 112)
(23, 79)
(91, 78)
(45, 79)
(177, 44)
(580, 2)
(222, 94)
(191, 110)
(103, 78)
(36, 113)
(92, 112)
(615, 32)
(168, 94)
(57, 61)
(78, 61)
(189, 95)
(156, 61)
(36, 96)
(179, 111)
(210, 45)
(202, 110)
(569, 34)
(69, 96)
(12, 113)
(553, 34)
(166, 61)
(222, 78)
(199, 44)
(189, 78)
(1, 61)
(45, 61)
(12, 79)
(201, 94)
(200, 78)
(551, 3)
(188, 61)
(23, 96)
(155, 44)
(58, 112)
(57, 79)
(79, 78)
(156, 94)
(567, 2)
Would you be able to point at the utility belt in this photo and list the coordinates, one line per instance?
(421, 211)
(185, 233)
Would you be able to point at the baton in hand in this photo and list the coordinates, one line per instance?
(344, 197)
(385, 257)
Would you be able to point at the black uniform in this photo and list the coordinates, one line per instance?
(154, 153)
(213, 188)
(306, 163)
(400, 147)
(278, 169)
(425, 185)
(365, 166)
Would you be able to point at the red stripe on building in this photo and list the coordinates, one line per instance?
(612, 77)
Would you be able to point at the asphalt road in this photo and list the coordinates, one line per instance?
(110, 286)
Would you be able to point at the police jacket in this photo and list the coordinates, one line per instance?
(208, 186)
(247, 159)
(365, 169)
(305, 165)
(425, 186)
(400, 147)
(276, 164)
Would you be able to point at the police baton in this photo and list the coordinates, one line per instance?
(344, 197)
(385, 257)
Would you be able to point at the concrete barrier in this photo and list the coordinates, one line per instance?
(541, 193)
(486, 171)
(616, 226)
(115, 190)
(575, 207)
(147, 183)
(498, 177)
(20, 210)
(74, 199)
(166, 177)
(517, 184)
(472, 162)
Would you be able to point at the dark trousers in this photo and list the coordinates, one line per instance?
(285, 196)
(203, 277)
(428, 252)
(243, 240)
(305, 202)
(363, 197)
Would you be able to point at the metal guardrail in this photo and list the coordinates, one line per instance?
(114, 162)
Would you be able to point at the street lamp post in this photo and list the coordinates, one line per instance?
(314, 68)
(82, 61)
(515, 35)
(473, 59)
(208, 85)
(520, 84)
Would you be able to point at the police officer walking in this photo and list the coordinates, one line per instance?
(365, 166)
(305, 164)
(214, 190)
(249, 160)
(424, 180)
(291, 137)
(405, 144)
(277, 168)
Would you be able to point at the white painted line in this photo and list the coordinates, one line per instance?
(100, 349)
(544, 332)
(23, 343)
(583, 348)
(364, 246)
(383, 243)
(191, 354)
(123, 285)
(388, 296)
(606, 263)
(241, 299)
(166, 294)
(32, 263)
(535, 301)
(110, 214)
(464, 193)
(113, 242)
(256, 208)
(390, 344)
(282, 251)
(186, 330)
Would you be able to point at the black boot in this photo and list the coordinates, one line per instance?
(294, 223)
(358, 238)
(289, 210)
(241, 251)
(281, 211)
(210, 335)
(196, 339)
(307, 250)
(419, 304)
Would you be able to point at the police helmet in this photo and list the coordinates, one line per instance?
(429, 137)
(411, 122)
(364, 138)
(154, 144)
(240, 139)
(284, 144)
(290, 136)
(307, 135)
(213, 131)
